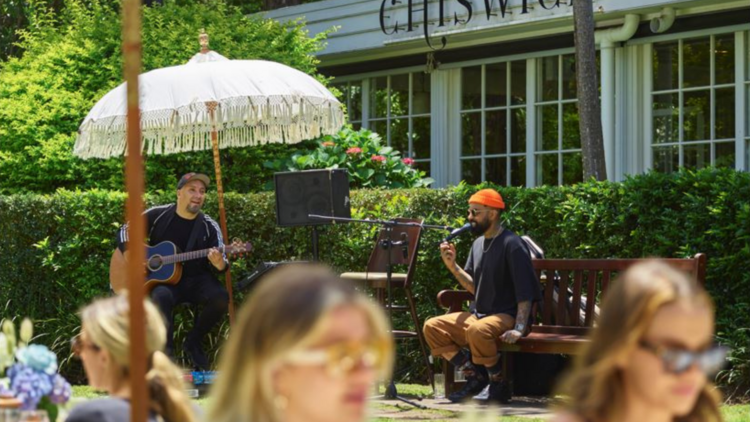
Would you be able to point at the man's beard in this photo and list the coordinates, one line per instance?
(193, 208)
(479, 228)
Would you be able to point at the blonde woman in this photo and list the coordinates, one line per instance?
(651, 356)
(103, 346)
(305, 348)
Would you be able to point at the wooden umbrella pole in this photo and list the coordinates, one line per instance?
(220, 194)
(131, 49)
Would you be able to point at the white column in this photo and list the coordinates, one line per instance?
(648, 106)
(740, 111)
(608, 105)
(531, 123)
(439, 136)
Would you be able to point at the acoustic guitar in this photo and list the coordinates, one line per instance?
(164, 263)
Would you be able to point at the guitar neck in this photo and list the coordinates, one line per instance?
(189, 256)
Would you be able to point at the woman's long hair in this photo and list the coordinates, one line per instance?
(107, 323)
(285, 313)
(595, 385)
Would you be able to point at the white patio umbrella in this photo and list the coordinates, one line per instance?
(213, 103)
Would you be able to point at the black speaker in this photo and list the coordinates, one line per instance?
(321, 192)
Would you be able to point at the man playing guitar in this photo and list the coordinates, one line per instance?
(187, 227)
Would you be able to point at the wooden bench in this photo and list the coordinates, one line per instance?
(562, 327)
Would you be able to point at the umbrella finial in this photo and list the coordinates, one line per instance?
(203, 40)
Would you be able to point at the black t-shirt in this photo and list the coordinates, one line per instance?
(503, 275)
(178, 232)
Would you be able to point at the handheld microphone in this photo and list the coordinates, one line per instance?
(457, 232)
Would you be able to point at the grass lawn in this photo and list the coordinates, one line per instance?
(732, 413)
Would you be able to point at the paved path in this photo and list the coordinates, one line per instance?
(529, 407)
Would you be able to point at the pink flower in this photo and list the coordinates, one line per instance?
(329, 144)
(354, 150)
(408, 161)
(379, 158)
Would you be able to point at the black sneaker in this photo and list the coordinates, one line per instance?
(194, 350)
(474, 384)
(495, 392)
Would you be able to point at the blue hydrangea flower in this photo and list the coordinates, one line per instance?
(29, 385)
(38, 357)
(61, 390)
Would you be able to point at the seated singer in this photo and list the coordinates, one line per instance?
(187, 227)
(499, 273)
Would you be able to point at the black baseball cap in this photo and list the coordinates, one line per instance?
(193, 176)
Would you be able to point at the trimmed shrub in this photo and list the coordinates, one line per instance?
(54, 249)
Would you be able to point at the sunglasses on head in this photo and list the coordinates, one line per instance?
(677, 361)
(342, 358)
(77, 345)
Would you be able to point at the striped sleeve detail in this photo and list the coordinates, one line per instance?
(219, 236)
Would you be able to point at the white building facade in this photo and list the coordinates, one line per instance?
(498, 101)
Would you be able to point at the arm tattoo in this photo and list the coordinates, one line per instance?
(464, 279)
(524, 309)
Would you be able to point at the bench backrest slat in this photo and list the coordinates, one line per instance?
(592, 276)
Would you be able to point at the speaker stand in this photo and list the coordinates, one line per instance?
(315, 243)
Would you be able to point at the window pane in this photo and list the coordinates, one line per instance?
(547, 134)
(696, 62)
(666, 159)
(572, 168)
(724, 154)
(696, 118)
(379, 97)
(421, 96)
(471, 87)
(471, 171)
(666, 118)
(496, 84)
(400, 95)
(423, 166)
(496, 129)
(666, 63)
(549, 76)
(381, 128)
(421, 137)
(571, 131)
(725, 124)
(569, 77)
(471, 134)
(355, 100)
(518, 171)
(518, 130)
(400, 136)
(546, 169)
(496, 171)
(724, 59)
(697, 156)
(518, 82)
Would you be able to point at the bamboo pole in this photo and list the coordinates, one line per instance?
(220, 194)
(131, 49)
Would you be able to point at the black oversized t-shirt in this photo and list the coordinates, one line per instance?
(503, 275)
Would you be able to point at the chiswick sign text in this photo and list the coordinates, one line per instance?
(397, 16)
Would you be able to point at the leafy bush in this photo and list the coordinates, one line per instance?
(369, 163)
(54, 249)
(73, 57)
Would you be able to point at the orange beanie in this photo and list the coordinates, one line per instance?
(488, 197)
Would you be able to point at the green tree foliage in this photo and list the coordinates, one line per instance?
(73, 57)
(54, 249)
(361, 153)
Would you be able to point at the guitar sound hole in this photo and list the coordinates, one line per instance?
(154, 263)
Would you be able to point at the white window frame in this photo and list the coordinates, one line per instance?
(483, 109)
(742, 96)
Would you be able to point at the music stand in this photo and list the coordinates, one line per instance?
(388, 243)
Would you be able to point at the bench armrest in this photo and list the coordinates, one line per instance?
(453, 300)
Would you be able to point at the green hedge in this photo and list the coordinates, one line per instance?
(54, 249)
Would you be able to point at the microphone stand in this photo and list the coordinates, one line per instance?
(387, 244)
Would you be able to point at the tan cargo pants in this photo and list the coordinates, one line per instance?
(450, 332)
